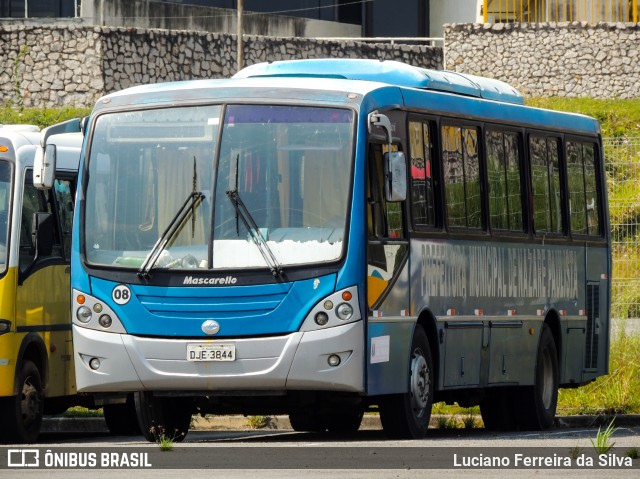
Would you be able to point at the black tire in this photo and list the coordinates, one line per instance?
(537, 405)
(343, 423)
(121, 419)
(21, 415)
(406, 416)
(162, 416)
(497, 410)
(306, 422)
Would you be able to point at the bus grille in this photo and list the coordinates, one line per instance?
(227, 302)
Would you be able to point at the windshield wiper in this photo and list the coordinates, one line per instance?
(175, 224)
(254, 232)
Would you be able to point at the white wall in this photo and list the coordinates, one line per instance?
(452, 11)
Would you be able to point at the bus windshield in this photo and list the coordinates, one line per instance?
(277, 186)
(5, 203)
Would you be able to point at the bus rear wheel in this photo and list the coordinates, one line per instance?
(407, 415)
(22, 414)
(538, 403)
(162, 417)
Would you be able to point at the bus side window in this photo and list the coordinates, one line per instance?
(64, 202)
(591, 188)
(583, 191)
(545, 184)
(387, 249)
(422, 196)
(385, 219)
(503, 171)
(33, 201)
(462, 176)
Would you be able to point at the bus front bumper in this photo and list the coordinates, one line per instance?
(297, 361)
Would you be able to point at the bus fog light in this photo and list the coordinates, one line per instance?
(83, 314)
(321, 318)
(94, 364)
(97, 308)
(344, 311)
(334, 360)
(328, 305)
(105, 321)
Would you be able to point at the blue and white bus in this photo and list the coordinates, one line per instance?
(324, 237)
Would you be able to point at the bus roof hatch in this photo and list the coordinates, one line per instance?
(390, 72)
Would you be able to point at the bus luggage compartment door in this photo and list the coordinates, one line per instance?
(463, 345)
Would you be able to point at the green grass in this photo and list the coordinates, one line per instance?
(616, 393)
(618, 118)
(42, 117)
(603, 443)
(79, 411)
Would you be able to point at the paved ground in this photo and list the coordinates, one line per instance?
(369, 422)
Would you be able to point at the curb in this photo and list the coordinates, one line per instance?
(54, 424)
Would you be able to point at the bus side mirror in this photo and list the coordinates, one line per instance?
(44, 162)
(42, 233)
(44, 166)
(395, 176)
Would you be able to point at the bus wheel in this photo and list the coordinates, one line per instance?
(497, 410)
(22, 414)
(343, 423)
(121, 419)
(162, 417)
(538, 402)
(407, 415)
(306, 422)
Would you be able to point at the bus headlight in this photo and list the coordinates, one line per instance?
(336, 309)
(83, 314)
(5, 326)
(344, 311)
(105, 321)
(321, 318)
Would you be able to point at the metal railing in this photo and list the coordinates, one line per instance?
(542, 11)
(622, 160)
(431, 41)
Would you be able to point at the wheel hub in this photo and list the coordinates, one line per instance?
(30, 403)
(419, 383)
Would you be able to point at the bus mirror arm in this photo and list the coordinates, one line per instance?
(395, 167)
(381, 121)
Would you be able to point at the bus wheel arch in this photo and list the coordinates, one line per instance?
(427, 320)
(32, 349)
(552, 320)
(406, 415)
(537, 404)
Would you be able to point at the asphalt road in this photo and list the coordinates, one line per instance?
(266, 454)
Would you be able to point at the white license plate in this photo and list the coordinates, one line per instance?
(211, 352)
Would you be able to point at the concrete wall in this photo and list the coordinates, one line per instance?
(76, 64)
(551, 59)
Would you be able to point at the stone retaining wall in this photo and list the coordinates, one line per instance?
(563, 59)
(75, 64)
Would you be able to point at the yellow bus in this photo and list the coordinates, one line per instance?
(36, 354)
